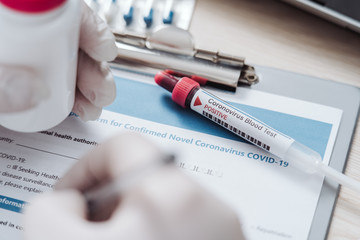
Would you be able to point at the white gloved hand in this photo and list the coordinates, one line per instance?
(21, 90)
(164, 205)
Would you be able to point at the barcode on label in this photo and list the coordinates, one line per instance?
(237, 131)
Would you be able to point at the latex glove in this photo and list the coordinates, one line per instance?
(164, 205)
(21, 90)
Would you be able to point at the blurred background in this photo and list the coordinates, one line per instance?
(276, 34)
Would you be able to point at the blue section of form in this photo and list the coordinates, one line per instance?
(11, 204)
(154, 103)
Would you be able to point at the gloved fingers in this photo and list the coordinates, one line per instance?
(96, 39)
(173, 208)
(176, 207)
(95, 81)
(20, 89)
(114, 158)
(51, 215)
(193, 214)
(164, 205)
(62, 215)
(84, 108)
(167, 204)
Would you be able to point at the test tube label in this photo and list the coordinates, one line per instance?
(241, 123)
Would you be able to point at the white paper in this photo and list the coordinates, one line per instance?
(273, 199)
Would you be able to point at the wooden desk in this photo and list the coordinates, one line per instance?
(272, 33)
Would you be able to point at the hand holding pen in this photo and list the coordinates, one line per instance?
(154, 200)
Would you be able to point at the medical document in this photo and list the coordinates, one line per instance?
(273, 199)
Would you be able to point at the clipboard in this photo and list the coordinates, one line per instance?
(322, 92)
(273, 81)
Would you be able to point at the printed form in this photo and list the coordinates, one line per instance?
(273, 199)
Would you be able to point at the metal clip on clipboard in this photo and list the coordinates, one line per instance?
(172, 48)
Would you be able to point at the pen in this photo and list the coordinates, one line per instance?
(105, 195)
(188, 94)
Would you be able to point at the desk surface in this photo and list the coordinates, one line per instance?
(272, 33)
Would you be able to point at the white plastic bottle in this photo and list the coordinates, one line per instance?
(42, 35)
